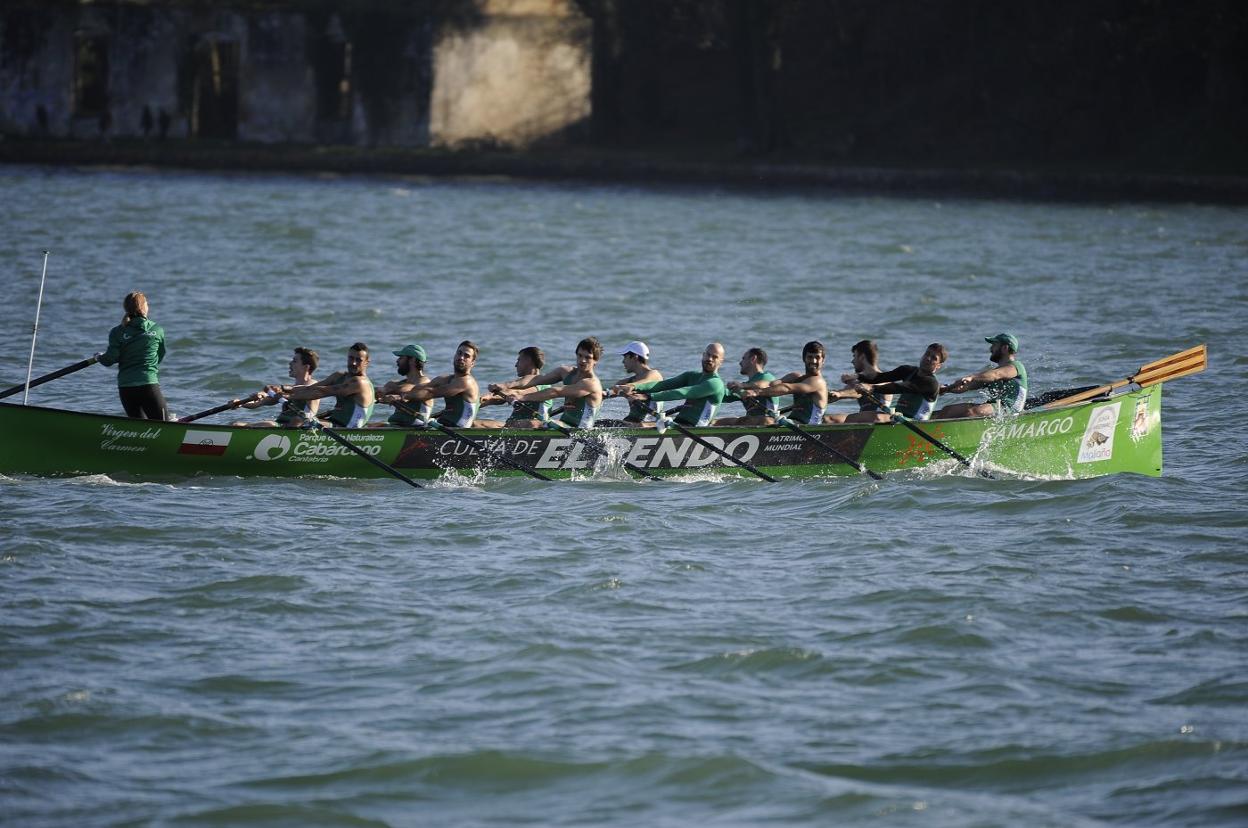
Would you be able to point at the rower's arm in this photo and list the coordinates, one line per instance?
(331, 386)
(928, 389)
(678, 381)
(578, 389)
(113, 352)
(454, 386)
(974, 381)
(749, 385)
(782, 388)
(549, 378)
(260, 399)
(706, 388)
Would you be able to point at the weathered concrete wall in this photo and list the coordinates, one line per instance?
(278, 97)
(522, 76)
(516, 73)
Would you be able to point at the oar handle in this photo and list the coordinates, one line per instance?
(68, 369)
(695, 438)
(216, 410)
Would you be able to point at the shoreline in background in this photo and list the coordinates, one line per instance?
(639, 167)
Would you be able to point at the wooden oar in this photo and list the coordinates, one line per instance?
(218, 409)
(830, 449)
(1192, 361)
(695, 438)
(908, 423)
(317, 425)
(598, 450)
(68, 369)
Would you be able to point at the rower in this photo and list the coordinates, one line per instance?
(865, 357)
(702, 391)
(636, 358)
(758, 410)
(529, 362)
(916, 384)
(809, 389)
(294, 412)
(578, 386)
(353, 392)
(458, 389)
(1005, 385)
(410, 363)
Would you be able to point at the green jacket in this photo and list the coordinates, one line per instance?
(137, 348)
(701, 392)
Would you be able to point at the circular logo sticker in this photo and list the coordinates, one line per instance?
(272, 447)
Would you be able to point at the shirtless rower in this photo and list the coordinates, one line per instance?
(636, 358)
(353, 392)
(458, 389)
(410, 363)
(529, 364)
(758, 410)
(916, 386)
(578, 386)
(702, 391)
(809, 389)
(1004, 385)
(865, 357)
(302, 365)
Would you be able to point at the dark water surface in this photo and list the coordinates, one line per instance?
(932, 650)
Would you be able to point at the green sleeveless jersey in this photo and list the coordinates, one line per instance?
(577, 413)
(522, 410)
(347, 413)
(758, 406)
(1009, 394)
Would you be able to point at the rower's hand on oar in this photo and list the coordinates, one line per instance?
(253, 400)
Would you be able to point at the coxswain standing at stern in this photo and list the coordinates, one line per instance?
(137, 347)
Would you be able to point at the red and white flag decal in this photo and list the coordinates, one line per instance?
(205, 442)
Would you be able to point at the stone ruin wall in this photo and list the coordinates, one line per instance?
(521, 74)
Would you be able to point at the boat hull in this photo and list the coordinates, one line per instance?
(1122, 434)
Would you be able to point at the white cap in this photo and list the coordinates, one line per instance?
(636, 347)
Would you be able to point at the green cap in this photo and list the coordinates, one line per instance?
(1010, 340)
(412, 351)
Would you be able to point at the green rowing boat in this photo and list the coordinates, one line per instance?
(1086, 439)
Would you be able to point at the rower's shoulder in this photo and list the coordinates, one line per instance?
(648, 375)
